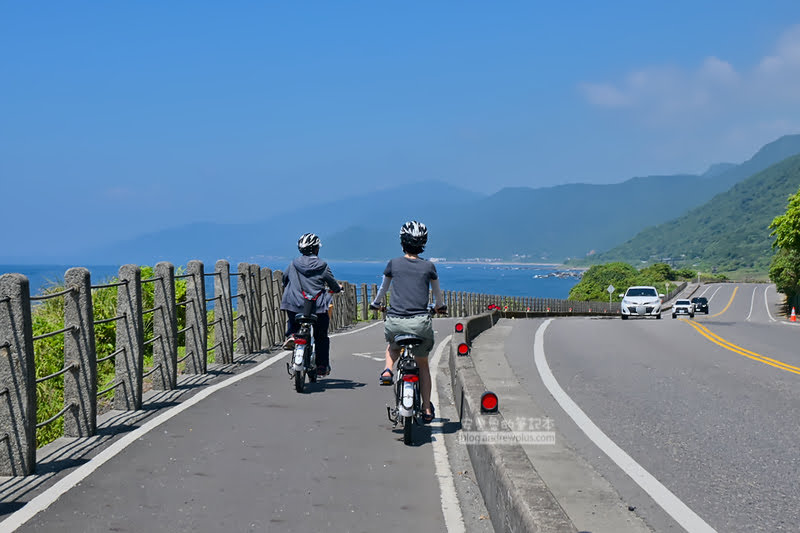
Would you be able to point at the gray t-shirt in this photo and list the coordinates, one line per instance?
(411, 281)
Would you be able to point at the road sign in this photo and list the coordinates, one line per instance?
(610, 289)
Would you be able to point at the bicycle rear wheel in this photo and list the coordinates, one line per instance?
(408, 429)
(299, 381)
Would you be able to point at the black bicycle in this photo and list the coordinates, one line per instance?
(408, 404)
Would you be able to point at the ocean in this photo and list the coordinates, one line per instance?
(526, 280)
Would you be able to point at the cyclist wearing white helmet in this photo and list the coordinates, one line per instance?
(411, 278)
(305, 279)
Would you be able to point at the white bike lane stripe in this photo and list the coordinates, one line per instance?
(673, 506)
(47, 497)
(451, 509)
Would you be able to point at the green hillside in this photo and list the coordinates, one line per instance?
(730, 232)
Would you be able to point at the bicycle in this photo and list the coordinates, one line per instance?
(304, 358)
(408, 406)
(408, 400)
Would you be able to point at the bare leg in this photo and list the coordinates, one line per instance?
(391, 357)
(425, 383)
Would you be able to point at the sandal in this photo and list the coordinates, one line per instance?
(323, 371)
(387, 380)
(428, 418)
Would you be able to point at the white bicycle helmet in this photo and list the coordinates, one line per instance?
(414, 236)
(308, 244)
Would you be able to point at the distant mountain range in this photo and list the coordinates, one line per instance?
(556, 223)
(547, 224)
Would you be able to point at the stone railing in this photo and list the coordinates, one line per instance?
(257, 324)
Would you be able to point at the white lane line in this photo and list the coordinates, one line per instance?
(46, 498)
(369, 356)
(678, 510)
(453, 519)
(358, 330)
(715, 293)
(752, 300)
(766, 304)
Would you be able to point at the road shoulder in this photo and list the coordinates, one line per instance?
(588, 499)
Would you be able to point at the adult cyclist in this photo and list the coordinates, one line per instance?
(305, 279)
(411, 278)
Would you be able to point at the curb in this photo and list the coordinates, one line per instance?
(515, 495)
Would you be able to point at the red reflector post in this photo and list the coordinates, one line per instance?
(411, 378)
(459, 327)
(463, 349)
(489, 402)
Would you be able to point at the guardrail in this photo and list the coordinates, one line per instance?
(258, 325)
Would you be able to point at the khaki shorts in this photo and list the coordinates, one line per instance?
(419, 325)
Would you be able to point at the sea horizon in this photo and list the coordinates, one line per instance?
(542, 280)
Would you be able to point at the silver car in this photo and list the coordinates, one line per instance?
(641, 301)
(682, 307)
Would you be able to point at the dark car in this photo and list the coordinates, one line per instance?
(700, 304)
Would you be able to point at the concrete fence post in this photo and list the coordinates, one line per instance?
(223, 313)
(267, 311)
(240, 329)
(335, 310)
(373, 293)
(17, 378)
(249, 302)
(277, 294)
(197, 334)
(255, 307)
(165, 328)
(130, 337)
(80, 383)
(364, 303)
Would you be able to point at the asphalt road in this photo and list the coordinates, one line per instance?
(258, 456)
(710, 410)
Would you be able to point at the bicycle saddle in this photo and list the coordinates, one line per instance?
(407, 340)
(305, 319)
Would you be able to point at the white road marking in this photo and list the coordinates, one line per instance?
(357, 330)
(752, 300)
(453, 519)
(369, 356)
(715, 293)
(766, 304)
(46, 498)
(673, 506)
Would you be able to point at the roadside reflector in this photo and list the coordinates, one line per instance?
(489, 402)
(463, 349)
(459, 327)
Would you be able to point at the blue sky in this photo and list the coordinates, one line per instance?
(118, 118)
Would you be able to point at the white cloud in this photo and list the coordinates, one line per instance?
(665, 95)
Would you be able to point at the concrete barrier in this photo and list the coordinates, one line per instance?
(515, 495)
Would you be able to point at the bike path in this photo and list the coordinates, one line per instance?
(258, 456)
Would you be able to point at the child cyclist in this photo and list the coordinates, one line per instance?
(305, 279)
(411, 278)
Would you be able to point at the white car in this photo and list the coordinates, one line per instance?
(682, 307)
(641, 301)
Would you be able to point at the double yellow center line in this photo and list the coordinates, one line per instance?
(716, 339)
